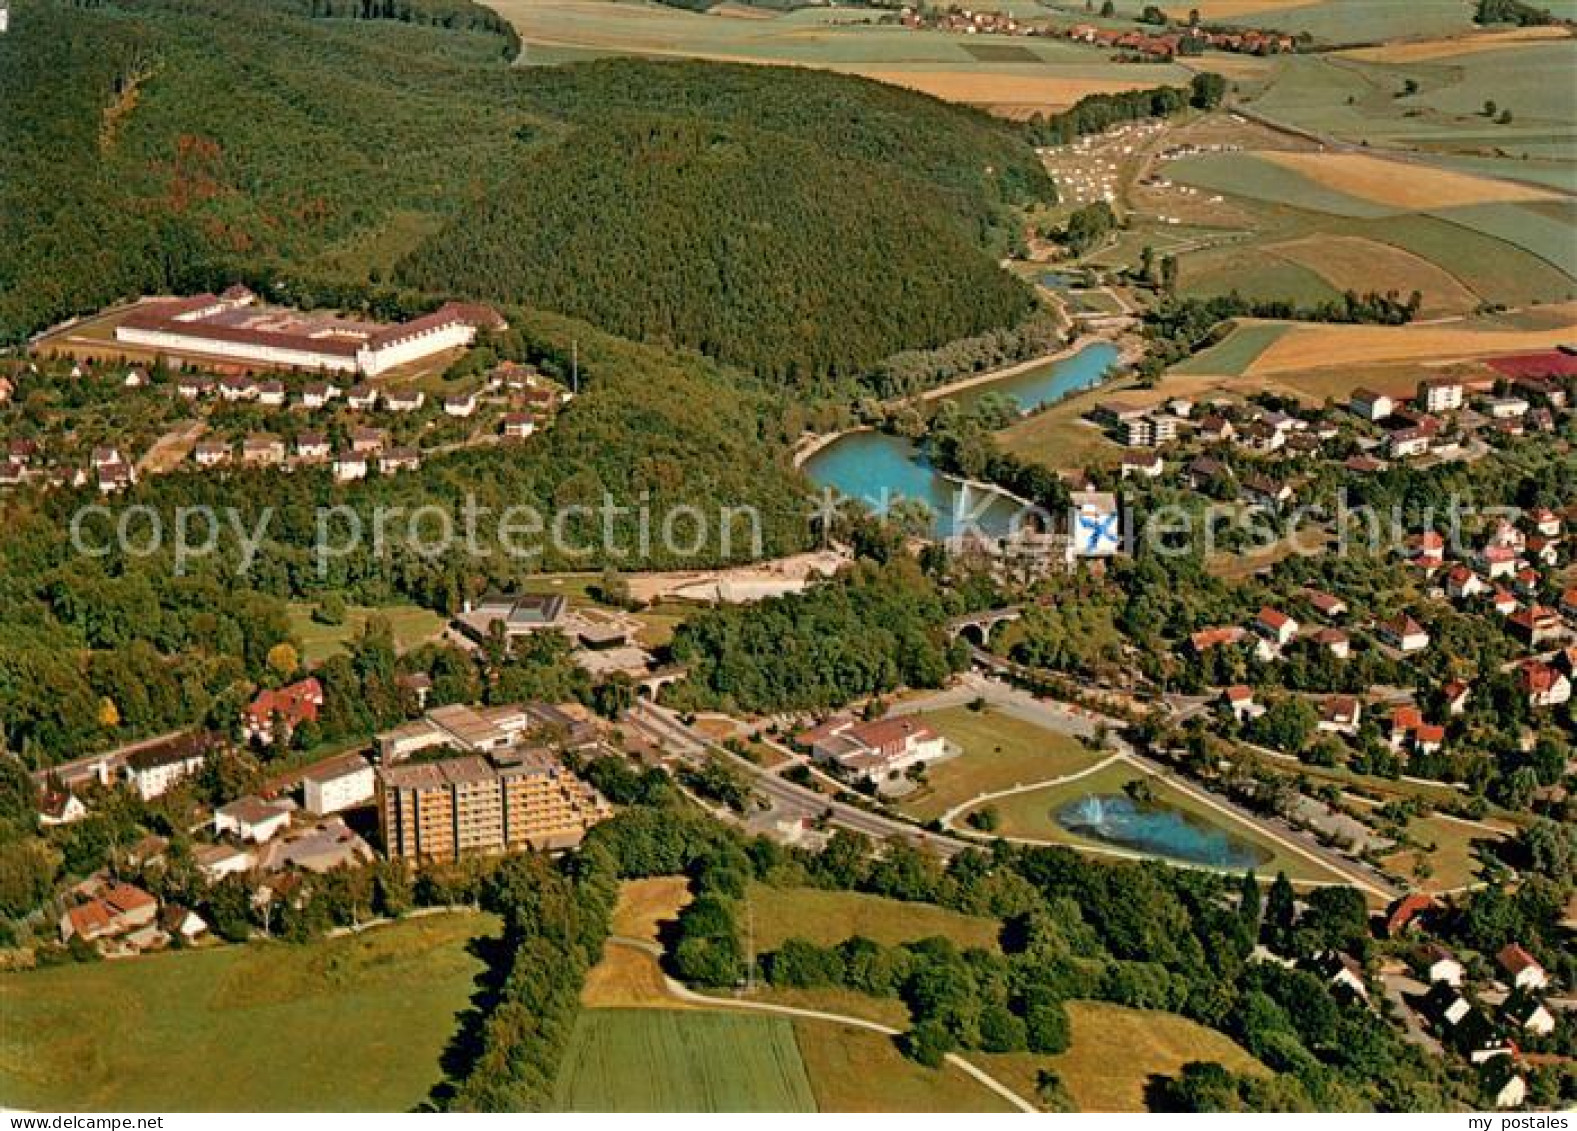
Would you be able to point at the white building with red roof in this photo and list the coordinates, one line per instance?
(875, 750)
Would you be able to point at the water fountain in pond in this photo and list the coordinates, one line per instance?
(1157, 829)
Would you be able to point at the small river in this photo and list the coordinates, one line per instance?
(877, 469)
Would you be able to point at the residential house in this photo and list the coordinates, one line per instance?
(318, 394)
(1536, 625)
(1497, 560)
(1405, 443)
(349, 466)
(1369, 405)
(263, 451)
(1147, 466)
(1340, 714)
(312, 447)
(1409, 913)
(1528, 1013)
(211, 453)
(1455, 693)
(1207, 638)
(1443, 966)
(1522, 968)
(1257, 436)
(1440, 394)
(1543, 685)
(1203, 472)
(253, 819)
(1334, 641)
(292, 705)
(1239, 699)
(216, 861)
(271, 394)
(1214, 429)
(1266, 492)
(60, 807)
(117, 909)
(152, 770)
(182, 922)
(460, 405)
(362, 398)
(114, 477)
(237, 389)
(1462, 583)
(1276, 627)
(1404, 634)
(1503, 601)
(368, 441)
(404, 400)
(1506, 408)
(399, 459)
(1326, 604)
(518, 425)
(192, 388)
(1344, 973)
(339, 784)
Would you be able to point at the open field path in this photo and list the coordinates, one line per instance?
(683, 993)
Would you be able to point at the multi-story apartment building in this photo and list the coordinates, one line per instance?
(480, 789)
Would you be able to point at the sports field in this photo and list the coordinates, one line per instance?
(348, 1024)
(1000, 751)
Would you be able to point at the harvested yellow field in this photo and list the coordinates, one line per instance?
(1415, 188)
(1426, 50)
(627, 978)
(1324, 346)
(1357, 264)
(1018, 95)
(645, 905)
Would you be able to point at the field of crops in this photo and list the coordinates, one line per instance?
(1236, 352)
(1011, 78)
(661, 1060)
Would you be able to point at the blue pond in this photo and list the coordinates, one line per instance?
(1118, 820)
(877, 469)
(1045, 384)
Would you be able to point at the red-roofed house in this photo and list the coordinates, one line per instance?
(117, 909)
(1523, 969)
(1409, 912)
(1276, 626)
(1535, 625)
(1543, 685)
(1404, 634)
(293, 705)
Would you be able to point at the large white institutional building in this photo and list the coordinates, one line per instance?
(235, 327)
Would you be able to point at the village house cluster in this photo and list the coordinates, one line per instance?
(455, 782)
(1164, 44)
(313, 422)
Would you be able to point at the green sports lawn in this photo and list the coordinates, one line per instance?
(1000, 751)
(347, 1024)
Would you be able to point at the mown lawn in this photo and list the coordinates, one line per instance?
(411, 627)
(826, 917)
(1000, 751)
(1453, 862)
(855, 1069)
(348, 1024)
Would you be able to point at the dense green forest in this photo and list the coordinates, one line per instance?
(154, 145)
(88, 628)
(753, 247)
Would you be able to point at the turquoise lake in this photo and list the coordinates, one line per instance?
(876, 469)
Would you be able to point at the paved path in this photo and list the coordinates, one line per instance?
(683, 993)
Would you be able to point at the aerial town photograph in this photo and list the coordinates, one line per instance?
(787, 556)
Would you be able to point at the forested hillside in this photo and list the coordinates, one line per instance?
(753, 247)
(813, 223)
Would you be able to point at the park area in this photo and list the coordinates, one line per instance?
(357, 1023)
(411, 626)
(1000, 751)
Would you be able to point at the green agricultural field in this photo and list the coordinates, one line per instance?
(1236, 352)
(1253, 272)
(348, 1024)
(1362, 21)
(643, 1060)
(827, 917)
(1245, 175)
(1492, 268)
(411, 625)
(1000, 751)
(1546, 229)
